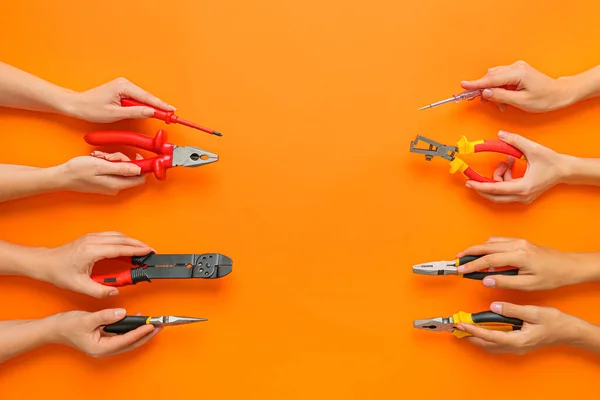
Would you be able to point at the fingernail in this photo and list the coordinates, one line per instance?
(158, 329)
(502, 107)
(148, 112)
(464, 82)
(461, 269)
(489, 282)
(487, 93)
(120, 312)
(461, 327)
(468, 185)
(172, 108)
(497, 308)
(113, 292)
(502, 135)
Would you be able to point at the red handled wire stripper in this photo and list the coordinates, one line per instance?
(463, 146)
(169, 266)
(168, 116)
(168, 155)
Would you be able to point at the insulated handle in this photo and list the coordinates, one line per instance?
(123, 278)
(475, 176)
(488, 317)
(127, 324)
(480, 275)
(498, 146)
(157, 145)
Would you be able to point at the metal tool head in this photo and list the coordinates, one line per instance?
(435, 324)
(212, 265)
(171, 320)
(189, 156)
(434, 149)
(436, 268)
(180, 266)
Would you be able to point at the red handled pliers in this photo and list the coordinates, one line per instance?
(168, 155)
(169, 266)
(463, 146)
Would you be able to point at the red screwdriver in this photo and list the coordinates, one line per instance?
(168, 116)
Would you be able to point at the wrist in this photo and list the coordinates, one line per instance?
(579, 333)
(68, 103)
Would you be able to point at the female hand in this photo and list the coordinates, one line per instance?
(540, 268)
(70, 266)
(542, 327)
(83, 331)
(522, 86)
(103, 103)
(102, 173)
(545, 169)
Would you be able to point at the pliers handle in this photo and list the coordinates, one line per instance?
(487, 320)
(463, 146)
(480, 275)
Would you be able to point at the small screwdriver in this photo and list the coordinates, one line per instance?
(168, 116)
(455, 98)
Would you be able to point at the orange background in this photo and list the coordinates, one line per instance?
(316, 196)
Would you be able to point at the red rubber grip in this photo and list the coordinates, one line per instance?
(158, 145)
(116, 280)
(474, 176)
(498, 146)
(167, 116)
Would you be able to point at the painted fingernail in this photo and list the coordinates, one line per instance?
(497, 308)
(487, 93)
(502, 135)
(120, 312)
(489, 282)
(113, 292)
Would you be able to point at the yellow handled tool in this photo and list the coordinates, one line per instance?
(485, 319)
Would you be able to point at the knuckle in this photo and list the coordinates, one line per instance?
(121, 81)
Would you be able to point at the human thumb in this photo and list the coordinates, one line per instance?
(109, 316)
(120, 168)
(136, 112)
(97, 290)
(518, 141)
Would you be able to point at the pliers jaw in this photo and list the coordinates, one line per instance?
(436, 268)
(212, 266)
(435, 324)
(434, 149)
(188, 156)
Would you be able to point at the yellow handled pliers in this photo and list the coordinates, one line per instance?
(485, 319)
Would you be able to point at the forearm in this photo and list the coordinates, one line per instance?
(18, 337)
(19, 89)
(18, 181)
(20, 260)
(579, 171)
(582, 86)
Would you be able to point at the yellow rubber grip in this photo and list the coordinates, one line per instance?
(458, 165)
(466, 318)
(462, 317)
(466, 147)
(148, 320)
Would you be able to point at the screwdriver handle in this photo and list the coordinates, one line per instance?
(127, 324)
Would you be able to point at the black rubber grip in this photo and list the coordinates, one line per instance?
(491, 317)
(480, 275)
(125, 325)
(467, 259)
(139, 275)
(141, 260)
